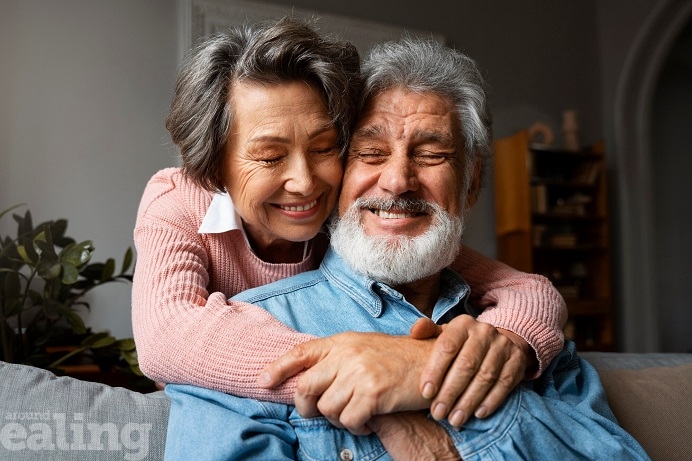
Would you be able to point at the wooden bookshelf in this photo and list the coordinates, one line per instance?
(551, 218)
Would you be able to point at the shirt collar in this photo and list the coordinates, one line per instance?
(368, 293)
(221, 216)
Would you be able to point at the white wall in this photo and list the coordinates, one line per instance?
(84, 89)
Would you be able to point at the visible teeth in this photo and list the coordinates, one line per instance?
(299, 207)
(389, 215)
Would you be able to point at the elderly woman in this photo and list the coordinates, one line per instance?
(261, 116)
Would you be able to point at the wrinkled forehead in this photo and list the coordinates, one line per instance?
(400, 113)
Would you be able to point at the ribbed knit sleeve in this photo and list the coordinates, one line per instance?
(184, 328)
(526, 304)
(187, 332)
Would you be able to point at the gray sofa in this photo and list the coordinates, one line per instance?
(44, 417)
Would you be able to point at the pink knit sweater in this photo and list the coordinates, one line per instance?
(187, 332)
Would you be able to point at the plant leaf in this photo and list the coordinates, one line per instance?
(70, 273)
(44, 248)
(132, 359)
(53, 309)
(126, 344)
(77, 254)
(108, 270)
(40, 237)
(11, 285)
(98, 340)
(93, 271)
(30, 250)
(23, 254)
(75, 321)
(24, 225)
(49, 269)
(127, 260)
(13, 306)
(4, 212)
(58, 229)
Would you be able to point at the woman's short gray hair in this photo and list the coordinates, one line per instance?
(200, 116)
(423, 65)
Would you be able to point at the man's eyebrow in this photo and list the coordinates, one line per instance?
(433, 136)
(368, 132)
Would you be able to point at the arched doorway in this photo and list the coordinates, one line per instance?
(671, 168)
(638, 183)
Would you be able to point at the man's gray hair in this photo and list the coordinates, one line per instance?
(423, 65)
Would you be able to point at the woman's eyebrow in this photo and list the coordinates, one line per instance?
(283, 139)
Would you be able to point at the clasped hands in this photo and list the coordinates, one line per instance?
(457, 370)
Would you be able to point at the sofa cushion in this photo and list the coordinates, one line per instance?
(654, 405)
(60, 418)
(633, 360)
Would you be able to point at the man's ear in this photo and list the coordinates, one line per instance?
(474, 186)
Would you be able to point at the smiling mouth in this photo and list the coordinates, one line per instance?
(392, 215)
(306, 207)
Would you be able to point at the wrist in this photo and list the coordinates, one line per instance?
(526, 349)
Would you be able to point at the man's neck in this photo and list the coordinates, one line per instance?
(423, 293)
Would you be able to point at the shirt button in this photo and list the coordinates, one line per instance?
(346, 455)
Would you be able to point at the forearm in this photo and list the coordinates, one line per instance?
(412, 435)
(216, 350)
(186, 335)
(525, 304)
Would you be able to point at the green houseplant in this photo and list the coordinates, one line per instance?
(44, 277)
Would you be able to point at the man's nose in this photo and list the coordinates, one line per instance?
(299, 175)
(399, 175)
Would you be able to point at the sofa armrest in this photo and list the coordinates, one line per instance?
(651, 396)
(43, 416)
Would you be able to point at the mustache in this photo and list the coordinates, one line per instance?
(398, 203)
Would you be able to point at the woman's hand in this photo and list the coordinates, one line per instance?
(352, 376)
(472, 369)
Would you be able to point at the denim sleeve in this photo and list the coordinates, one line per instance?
(211, 425)
(563, 416)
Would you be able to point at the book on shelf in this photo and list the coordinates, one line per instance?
(587, 173)
(563, 240)
(539, 198)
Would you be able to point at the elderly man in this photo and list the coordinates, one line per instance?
(412, 173)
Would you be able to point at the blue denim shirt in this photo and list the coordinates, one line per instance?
(562, 416)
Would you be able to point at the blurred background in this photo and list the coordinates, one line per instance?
(85, 86)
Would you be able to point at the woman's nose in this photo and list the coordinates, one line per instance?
(299, 176)
(399, 176)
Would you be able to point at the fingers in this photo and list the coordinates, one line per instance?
(354, 416)
(362, 375)
(311, 387)
(425, 328)
(511, 376)
(321, 392)
(444, 353)
(484, 370)
(299, 358)
(497, 375)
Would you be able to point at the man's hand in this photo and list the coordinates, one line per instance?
(472, 369)
(352, 376)
(411, 435)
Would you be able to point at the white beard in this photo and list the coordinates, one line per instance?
(396, 260)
